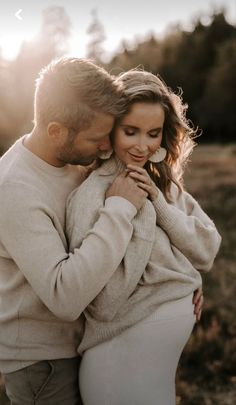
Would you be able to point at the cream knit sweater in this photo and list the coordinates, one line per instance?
(43, 287)
(171, 243)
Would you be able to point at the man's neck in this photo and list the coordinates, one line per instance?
(38, 143)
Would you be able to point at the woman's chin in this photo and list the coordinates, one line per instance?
(129, 160)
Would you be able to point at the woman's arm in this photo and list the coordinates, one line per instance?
(186, 224)
(188, 227)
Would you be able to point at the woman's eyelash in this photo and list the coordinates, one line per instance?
(154, 135)
(128, 132)
(131, 132)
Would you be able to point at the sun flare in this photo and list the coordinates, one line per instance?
(11, 44)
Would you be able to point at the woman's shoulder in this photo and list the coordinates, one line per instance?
(175, 192)
(91, 190)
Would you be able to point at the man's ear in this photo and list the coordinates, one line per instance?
(56, 131)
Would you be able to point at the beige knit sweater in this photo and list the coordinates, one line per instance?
(171, 243)
(44, 288)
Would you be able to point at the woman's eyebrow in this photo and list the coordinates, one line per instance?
(128, 125)
(156, 129)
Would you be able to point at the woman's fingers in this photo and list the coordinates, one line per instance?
(139, 174)
(140, 177)
(145, 186)
(143, 180)
(152, 191)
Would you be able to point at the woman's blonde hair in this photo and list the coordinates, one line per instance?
(142, 86)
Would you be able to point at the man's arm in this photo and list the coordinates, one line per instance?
(198, 301)
(66, 283)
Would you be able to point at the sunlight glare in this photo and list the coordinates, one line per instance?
(10, 45)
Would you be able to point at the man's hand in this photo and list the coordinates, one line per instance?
(127, 188)
(198, 303)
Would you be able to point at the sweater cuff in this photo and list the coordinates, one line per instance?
(164, 212)
(121, 204)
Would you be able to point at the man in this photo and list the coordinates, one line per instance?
(43, 288)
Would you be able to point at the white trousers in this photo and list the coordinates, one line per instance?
(138, 367)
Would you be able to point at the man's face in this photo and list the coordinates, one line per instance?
(83, 148)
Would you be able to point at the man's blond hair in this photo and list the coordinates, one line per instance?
(72, 90)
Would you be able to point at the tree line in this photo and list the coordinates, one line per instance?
(200, 62)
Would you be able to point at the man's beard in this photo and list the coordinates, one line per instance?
(82, 161)
(67, 157)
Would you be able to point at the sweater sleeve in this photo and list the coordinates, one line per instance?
(129, 272)
(188, 228)
(65, 282)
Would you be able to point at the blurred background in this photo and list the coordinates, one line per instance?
(192, 45)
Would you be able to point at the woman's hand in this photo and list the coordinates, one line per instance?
(144, 181)
(198, 302)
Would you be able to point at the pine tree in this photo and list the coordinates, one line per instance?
(96, 32)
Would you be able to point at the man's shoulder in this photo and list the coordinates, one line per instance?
(16, 177)
(9, 165)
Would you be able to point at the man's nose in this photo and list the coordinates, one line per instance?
(105, 145)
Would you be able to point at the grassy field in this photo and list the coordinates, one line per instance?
(207, 369)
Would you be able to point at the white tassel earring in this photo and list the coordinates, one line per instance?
(158, 156)
(105, 155)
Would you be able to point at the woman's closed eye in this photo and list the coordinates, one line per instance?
(129, 132)
(155, 133)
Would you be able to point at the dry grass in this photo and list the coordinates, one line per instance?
(207, 370)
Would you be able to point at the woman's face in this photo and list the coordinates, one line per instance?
(139, 134)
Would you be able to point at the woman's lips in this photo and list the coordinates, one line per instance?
(137, 158)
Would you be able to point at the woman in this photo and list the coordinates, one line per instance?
(136, 328)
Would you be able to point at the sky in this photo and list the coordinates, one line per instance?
(122, 20)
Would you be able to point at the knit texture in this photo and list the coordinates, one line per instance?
(170, 244)
(44, 288)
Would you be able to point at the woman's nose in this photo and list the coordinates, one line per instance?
(141, 145)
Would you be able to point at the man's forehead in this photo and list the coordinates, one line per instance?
(94, 133)
(102, 123)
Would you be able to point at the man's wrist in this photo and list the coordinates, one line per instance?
(122, 204)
